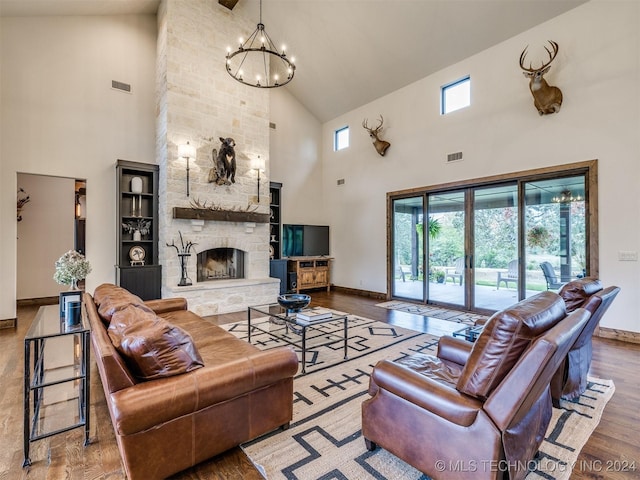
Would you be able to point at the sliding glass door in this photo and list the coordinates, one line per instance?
(495, 247)
(408, 248)
(555, 244)
(447, 256)
(490, 245)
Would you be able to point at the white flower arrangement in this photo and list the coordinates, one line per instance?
(71, 267)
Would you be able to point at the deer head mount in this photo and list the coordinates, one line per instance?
(380, 145)
(546, 98)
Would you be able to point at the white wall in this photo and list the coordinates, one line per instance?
(598, 70)
(60, 117)
(45, 233)
(295, 152)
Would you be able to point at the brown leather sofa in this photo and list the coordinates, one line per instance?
(570, 381)
(476, 410)
(180, 389)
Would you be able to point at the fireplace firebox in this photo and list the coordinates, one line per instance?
(220, 264)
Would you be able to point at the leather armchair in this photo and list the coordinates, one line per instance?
(483, 407)
(570, 381)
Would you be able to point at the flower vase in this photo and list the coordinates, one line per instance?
(74, 285)
(136, 235)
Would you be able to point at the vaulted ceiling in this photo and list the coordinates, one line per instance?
(350, 52)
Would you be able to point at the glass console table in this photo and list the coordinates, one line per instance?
(56, 377)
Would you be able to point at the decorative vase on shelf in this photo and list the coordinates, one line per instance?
(137, 236)
(136, 185)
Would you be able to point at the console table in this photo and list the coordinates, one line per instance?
(310, 272)
(56, 377)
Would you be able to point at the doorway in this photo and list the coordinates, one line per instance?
(52, 222)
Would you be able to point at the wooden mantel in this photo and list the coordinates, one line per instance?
(219, 215)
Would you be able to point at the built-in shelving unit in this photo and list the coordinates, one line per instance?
(137, 269)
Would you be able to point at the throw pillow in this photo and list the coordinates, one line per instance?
(152, 347)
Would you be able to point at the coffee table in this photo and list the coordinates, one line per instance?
(274, 321)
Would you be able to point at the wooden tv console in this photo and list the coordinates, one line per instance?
(311, 272)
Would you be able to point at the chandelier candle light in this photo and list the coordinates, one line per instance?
(258, 63)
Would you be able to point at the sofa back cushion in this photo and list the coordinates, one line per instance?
(151, 346)
(577, 292)
(111, 298)
(114, 372)
(503, 340)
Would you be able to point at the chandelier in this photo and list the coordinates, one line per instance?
(258, 63)
(566, 197)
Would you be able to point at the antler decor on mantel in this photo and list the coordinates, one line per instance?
(380, 145)
(202, 211)
(546, 98)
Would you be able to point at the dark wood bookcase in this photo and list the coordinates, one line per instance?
(140, 276)
(275, 221)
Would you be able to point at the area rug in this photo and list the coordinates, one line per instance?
(431, 311)
(324, 440)
(325, 341)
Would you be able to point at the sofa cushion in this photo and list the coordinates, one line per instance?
(152, 347)
(576, 292)
(110, 298)
(504, 338)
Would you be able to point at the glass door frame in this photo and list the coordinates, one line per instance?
(587, 168)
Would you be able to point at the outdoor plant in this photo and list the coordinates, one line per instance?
(439, 275)
(71, 268)
(538, 236)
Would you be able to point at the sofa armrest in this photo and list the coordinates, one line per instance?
(165, 305)
(426, 393)
(152, 403)
(453, 349)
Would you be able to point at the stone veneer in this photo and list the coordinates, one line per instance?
(198, 102)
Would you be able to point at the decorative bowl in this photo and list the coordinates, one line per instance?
(293, 302)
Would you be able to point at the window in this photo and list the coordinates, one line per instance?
(456, 95)
(341, 139)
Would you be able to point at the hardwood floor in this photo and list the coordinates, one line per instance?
(615, 443)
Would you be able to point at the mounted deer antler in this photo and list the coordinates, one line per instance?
(547, 99)
(380, 145)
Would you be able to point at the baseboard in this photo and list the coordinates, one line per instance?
(616, 334)
(361, 293)
(31, 302)
(8, 323)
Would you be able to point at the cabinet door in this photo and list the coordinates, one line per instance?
(306, 278)
(322, 276)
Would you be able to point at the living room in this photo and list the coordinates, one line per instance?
(60, 118)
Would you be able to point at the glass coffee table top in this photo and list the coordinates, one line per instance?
(273, 320)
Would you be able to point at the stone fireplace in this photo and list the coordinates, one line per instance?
(198, 102)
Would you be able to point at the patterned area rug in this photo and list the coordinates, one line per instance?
(431, 311)
(325, 442)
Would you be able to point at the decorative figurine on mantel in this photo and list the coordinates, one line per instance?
(224, 163)
(183, 255)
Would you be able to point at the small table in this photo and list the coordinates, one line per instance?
(56, 377)
(277, 324)
(470, 334)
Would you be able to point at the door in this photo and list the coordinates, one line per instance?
(447, 246)
(495, 247)
(556, 239)
(407, 264)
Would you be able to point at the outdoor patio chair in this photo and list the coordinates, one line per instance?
(511, 275)
(457, 272)
(553, 283)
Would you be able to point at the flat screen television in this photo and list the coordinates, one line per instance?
(305, 240)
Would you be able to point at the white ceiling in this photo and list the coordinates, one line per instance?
(350, 52)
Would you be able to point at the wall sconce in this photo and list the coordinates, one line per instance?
(259, 165)
(187, 151)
